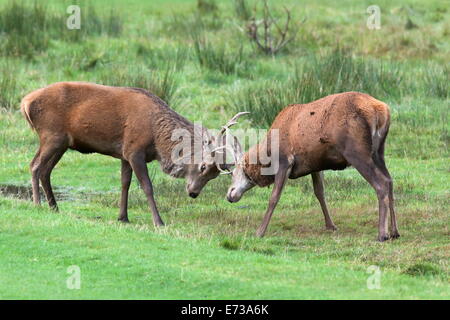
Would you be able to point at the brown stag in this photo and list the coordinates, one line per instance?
(129, 124)
(337, 131)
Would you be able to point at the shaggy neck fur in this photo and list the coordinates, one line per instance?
(166, 121)
(253, 171)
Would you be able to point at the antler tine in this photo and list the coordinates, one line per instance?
(219, 148)
(217, 164)
(232, 121)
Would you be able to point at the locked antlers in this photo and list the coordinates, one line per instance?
(236, 149)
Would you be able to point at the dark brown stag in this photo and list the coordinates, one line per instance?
(340, 130)
(130, 124)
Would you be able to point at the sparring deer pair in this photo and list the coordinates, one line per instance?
(137, 127)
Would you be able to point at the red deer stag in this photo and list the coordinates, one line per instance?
(130, 124)
(337, 131)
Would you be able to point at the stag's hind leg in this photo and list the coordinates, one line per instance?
(379, 161)
(46, 170)
(34, 168)
(50, 152)
(364, 163)
(317, 178)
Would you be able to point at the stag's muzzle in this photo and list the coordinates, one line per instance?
(233, 195)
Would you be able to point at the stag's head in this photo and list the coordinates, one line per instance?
(210, 161)
(200, 172)
(240, 181)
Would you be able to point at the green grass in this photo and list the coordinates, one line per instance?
(134, 261)
(27, 30)
(208, 248)
(163, 83)
(218, 57)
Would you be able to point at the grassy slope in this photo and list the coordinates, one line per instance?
(134, 262)
(208, 249)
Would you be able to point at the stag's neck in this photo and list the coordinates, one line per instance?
(165, 123)
(253, 169)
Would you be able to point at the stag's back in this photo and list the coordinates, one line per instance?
(315, 134)
(91, 117)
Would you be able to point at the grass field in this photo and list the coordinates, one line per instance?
(197, 59)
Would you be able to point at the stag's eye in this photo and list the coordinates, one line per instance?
(202, 168)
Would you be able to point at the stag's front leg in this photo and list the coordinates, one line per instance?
(126, 173)
(317, 178)
(280, 180)
(139, 167)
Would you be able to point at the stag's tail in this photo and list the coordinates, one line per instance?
(380, 126)
(25, 109)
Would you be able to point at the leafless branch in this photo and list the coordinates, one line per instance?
(272, 38)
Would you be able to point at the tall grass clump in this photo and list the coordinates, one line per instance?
(437, 81)
(23, 29)
(163, 57)
(182, 25)
(315, 78)
(163, 83)
(263, 100)
(207, 6)
(84, 56)
(339, 71)
(9, 88)
(218, 57)
(242, 10)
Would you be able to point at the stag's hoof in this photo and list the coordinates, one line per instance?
(395, 235)
(124, 220)
(383, 238)
(331, 228)
(159, 224)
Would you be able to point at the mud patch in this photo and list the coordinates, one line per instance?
(26, 193)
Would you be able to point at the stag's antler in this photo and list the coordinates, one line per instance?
(225, 128)
(226, 171)
(232, 122)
